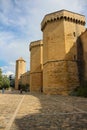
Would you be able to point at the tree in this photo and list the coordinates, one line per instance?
(5, 82)
(1, 78)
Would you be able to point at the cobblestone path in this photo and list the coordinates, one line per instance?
(42, 112)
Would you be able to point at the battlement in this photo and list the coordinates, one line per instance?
(35, 44)
(63, 14)
(20, 59)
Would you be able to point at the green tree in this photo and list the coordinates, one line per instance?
(1, 78)
(5, 82)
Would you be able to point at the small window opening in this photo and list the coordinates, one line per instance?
(74, 34)
(74, 57)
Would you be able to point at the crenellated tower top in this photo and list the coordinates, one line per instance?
(63, 14)
(20, 59)
(35, 43)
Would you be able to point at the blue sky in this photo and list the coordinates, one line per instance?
(20, 24)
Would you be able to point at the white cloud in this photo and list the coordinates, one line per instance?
(7, 70)
(20, 24)
(8, 73)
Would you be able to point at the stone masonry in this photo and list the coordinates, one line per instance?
(60, 32)
(58, 62)
(36, 66)
(83, 39)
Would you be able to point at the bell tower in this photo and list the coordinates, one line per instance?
(20, 69)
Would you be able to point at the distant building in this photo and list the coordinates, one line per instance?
(21, 76)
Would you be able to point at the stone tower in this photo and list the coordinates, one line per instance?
(20, 69)
(36, 66)
(60, 32)
(83, 43)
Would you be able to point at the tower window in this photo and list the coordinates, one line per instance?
(74, 34)
(74, 57)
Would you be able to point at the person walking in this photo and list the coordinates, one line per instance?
(21, 90)
(3, 90)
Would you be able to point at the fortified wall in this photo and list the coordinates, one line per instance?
(60, 32)
(58, 63)
(36, 66)
(61, 74)
(25, 79)
(83, 42)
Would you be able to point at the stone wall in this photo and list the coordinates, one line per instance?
(72, 31)
(83, 41)
(36, 66)
(61, 77)
(36, 82)
(53, 50)
(25, 78)
(55, 77)
(60, 69)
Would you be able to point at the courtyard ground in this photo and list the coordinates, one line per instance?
(30, 111)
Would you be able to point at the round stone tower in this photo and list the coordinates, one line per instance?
(36, 66)
(20, 69)
(60, 32)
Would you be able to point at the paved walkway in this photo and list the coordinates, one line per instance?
(42, 112)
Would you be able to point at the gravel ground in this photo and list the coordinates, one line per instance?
(31, 111)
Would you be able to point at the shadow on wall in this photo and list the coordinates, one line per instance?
(81, 62)
(48, 112)
(82, 57)
(77, 54)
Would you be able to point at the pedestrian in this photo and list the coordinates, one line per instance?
(3, 90)
(21, 90)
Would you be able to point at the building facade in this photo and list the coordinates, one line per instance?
(58, 62)
(83, 44)
(60, 32)
(62, 59)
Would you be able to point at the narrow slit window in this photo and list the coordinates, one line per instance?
(74, 34)
(74, 57)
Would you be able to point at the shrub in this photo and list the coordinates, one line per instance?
(80, 91)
